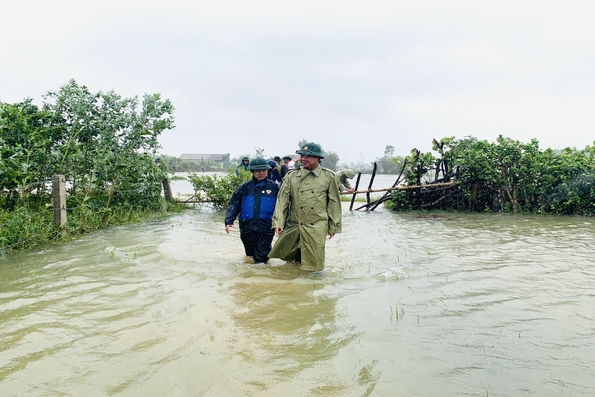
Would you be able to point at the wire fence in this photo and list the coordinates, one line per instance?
(22, 220)
(26, 226)
(39, 227)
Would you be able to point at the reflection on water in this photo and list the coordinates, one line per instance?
(290, 326)
(410, 304)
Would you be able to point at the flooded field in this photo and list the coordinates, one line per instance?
(409, 305)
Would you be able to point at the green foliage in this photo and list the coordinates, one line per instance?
(218, 189)
(389, 163)
(25, 227)
(176, 164)
(419, 166)
(103, 144)
(506, 176)
(331, 159)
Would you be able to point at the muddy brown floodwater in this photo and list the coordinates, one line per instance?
(409, 305)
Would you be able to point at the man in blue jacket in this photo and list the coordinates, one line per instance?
(254, 202)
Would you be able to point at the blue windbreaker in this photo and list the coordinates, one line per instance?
(254, 202)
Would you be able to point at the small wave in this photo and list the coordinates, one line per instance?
(393, 273)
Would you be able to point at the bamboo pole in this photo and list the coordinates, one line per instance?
(371, 182)
(426, 186)
(356, 186)
(387, 195)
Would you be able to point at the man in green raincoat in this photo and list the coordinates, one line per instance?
(308, 208)
(343, 180)
(243, 165)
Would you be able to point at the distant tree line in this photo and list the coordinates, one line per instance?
(502, 176)
(176, 164)
(389, 163)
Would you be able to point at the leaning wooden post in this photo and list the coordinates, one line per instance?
(354, 194)
(59, 195)
(371, 182)
(387, 194)
(166, 189)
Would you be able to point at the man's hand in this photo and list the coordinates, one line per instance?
(349, 190)
(278, 231)
(330, 235)
(227, 227)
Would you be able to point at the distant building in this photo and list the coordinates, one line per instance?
(218, 159)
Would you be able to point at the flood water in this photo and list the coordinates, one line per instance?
(409, 305)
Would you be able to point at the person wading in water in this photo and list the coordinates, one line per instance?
(308, 209)
(254, 202)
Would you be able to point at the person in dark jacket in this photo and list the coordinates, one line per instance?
(285, 166)
(273, 173)
(254, 202)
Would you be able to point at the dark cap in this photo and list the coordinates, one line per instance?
(277, 158)
(258, 164)
(311, 149)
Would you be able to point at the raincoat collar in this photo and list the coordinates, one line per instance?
(316, 171)
(257, 182)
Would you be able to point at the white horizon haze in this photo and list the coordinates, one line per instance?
(351, 76)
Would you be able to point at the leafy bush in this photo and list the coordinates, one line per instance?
(506, 175)
(218, 189)
(103, 144)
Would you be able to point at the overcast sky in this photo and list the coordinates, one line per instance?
(354, 76)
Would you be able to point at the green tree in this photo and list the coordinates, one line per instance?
(25, 149)
(259, 152)
(389, 163)
(176, 164)
(331, 159)
(104, 144)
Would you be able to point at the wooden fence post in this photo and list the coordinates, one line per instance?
(370, 185)
(59, 195)
(166, 189)
(359, 175)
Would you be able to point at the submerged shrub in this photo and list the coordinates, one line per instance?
(218, 189)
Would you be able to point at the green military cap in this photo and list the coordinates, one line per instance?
(258, 164)
(311, 149)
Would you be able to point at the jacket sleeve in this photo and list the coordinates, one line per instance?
(235, 206)
(345, 182)
(333, 207)
(282, 204)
